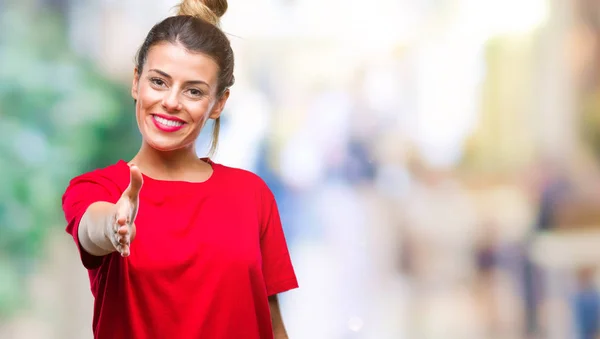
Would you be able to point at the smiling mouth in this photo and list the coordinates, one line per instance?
(167, 125)
(166, 122)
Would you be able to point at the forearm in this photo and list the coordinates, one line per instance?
(279, 331)
(91, 232)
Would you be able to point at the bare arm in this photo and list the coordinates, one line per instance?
(106, 227)
(91, 233)
(276, 319)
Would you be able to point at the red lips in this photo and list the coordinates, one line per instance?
(167, 123)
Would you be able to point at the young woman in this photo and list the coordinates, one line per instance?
(177, 246)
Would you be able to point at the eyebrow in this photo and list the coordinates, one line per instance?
(191, 82)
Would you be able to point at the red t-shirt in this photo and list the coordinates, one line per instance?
(205, 258)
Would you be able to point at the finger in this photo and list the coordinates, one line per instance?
(123, 239)
(121, 220)
(123, 230)
(121, 244)
(124, 250)
(119, 240)
(135, 182)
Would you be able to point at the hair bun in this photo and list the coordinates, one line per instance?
(209, 10)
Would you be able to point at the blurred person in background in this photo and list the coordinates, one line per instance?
(553, 189)
(210, 256)
(487, 266)
(586, 305)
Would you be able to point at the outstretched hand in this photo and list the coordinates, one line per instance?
(122, 231)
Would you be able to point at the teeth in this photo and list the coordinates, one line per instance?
(166, 122)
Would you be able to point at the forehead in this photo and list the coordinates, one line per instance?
(181, 64)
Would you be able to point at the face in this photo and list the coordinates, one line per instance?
(176, 94)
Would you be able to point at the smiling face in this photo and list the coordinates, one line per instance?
(176, 93)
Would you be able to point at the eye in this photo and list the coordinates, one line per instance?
(195, 92)
(157, 81)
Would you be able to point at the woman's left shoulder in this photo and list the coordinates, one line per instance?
(243, 177)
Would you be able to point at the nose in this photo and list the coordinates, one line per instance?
(171, 101)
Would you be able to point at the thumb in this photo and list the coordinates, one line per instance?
(135, 183)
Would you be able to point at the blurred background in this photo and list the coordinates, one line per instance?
(436, 163)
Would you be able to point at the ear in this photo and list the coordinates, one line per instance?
(219, 105)
(135, 84)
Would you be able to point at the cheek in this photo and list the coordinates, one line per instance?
(139, 111)
(148, 97)
(199, 112)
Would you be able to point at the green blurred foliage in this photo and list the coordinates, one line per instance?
(59, 117)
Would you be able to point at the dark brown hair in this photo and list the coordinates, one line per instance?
(196, 27)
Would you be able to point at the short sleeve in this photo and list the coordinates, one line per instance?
(278, 271)
(79, 195)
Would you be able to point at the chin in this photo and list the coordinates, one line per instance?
(164, 143)
(165, 146)
(162, 148)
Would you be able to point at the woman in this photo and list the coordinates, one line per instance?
(206, 256)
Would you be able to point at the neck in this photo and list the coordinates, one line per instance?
(168, 164)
